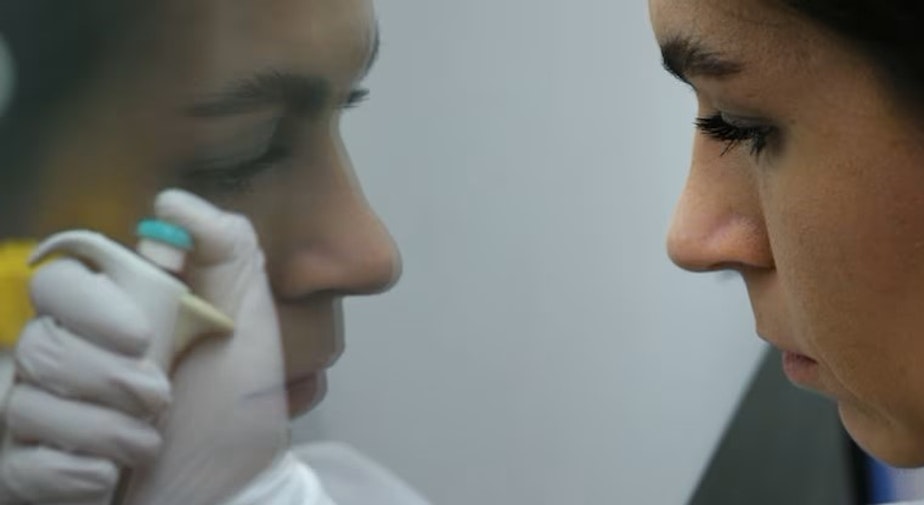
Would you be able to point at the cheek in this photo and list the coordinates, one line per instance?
(107, 190)
(286, 206)
(847, 243)
(106, 163)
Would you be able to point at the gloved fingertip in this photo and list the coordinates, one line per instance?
(155, 391)
(205, 222)
(105, 474)
(178, 203)
(147, 447)
(94, 476)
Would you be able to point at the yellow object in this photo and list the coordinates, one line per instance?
(15, 307)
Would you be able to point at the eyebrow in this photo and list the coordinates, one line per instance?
(295, 92)
(373, 53)
(298, 93)
(686, 58)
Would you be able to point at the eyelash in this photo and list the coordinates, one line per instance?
(238, 178)
(356, 98)
(733, 136)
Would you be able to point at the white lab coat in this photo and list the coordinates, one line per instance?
(326, 473)
(350, 478)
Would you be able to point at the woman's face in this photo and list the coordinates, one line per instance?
(807, 178)
(239, 102)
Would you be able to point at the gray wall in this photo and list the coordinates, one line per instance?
(540, 348)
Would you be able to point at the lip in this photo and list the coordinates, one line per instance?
(800, 369)
(302, 381)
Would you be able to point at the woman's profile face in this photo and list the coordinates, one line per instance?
(239, 102)
(807, 178)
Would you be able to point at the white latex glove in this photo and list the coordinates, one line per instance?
(228, 422)
(84, 399)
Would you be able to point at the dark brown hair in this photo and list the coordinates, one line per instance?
(890, 32)
(56, 47)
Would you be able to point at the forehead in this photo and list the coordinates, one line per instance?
(727, 22)
(770, 40)
(214, 41)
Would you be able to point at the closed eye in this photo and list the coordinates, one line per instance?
(356, 98)
(717, 127)
(233, 168)
(236, 176)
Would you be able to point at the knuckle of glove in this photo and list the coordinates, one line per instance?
(37, 354)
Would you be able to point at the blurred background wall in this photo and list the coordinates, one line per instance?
(540, 349)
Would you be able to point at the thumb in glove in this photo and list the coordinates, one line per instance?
(229, 420)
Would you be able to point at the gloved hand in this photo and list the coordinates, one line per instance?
(84, 398)
(82, 410)
(228, 422)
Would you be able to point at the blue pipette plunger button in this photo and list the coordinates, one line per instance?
(168, 233)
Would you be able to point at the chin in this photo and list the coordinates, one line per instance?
(306, 395)
(897, 444)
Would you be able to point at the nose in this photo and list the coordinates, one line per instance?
(359, 257)
(339, 247)
(718, 223)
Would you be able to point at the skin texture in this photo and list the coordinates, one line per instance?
(133, 132)
(826, 225)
